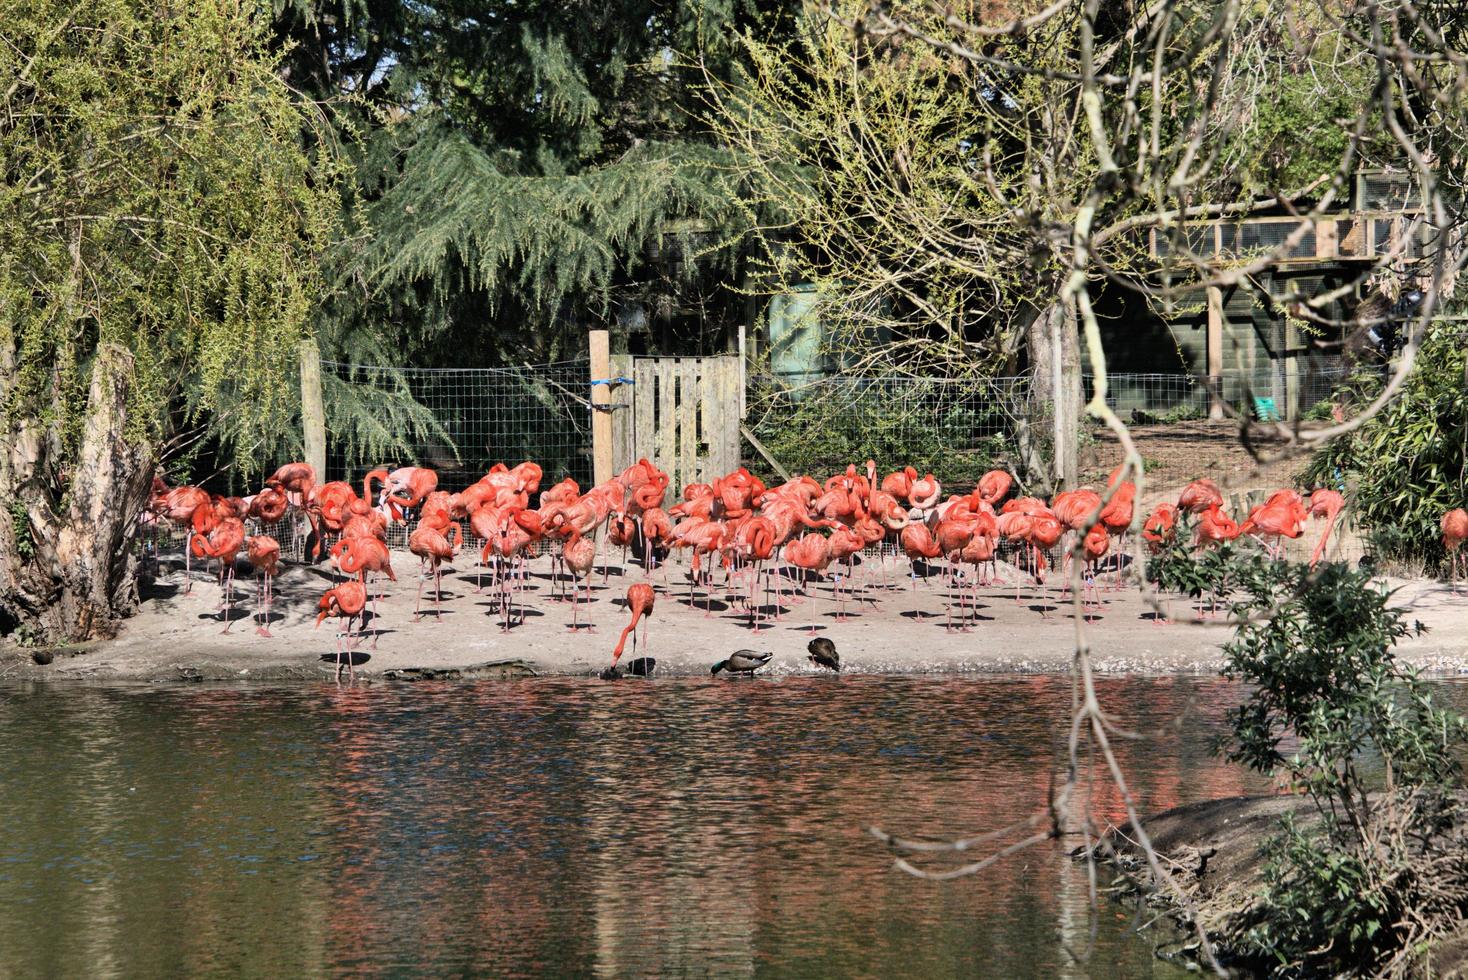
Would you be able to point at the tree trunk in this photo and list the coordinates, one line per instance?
(67, 561)
(1049, 434)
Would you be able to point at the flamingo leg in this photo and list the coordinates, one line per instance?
(418, 606)
(228, 599)
(269, 600)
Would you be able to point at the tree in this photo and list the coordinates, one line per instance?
(530, 169)
(165, 203)
(943, 176)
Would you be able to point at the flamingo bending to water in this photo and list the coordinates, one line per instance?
(640, 599)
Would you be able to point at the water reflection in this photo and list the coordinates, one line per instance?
(560, 826)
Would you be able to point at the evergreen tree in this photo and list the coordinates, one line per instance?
(528, 170)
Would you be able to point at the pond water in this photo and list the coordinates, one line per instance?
(562, 826)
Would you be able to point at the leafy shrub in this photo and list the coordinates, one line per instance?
(1407, 465)
(834, 424)
(1381, 867)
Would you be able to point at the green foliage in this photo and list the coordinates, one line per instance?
(527, 168)
(163, 193)
(821, 430)
(1407, 465)
(20, 522)
(1176, 568)
(1354, 886)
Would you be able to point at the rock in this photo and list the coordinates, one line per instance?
(496, 669)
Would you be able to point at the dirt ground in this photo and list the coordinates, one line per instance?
(897, 627)
(1176, 453)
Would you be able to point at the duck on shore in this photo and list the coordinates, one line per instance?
(744, 662)
(823, 654)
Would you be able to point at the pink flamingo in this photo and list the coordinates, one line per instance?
(263, 551)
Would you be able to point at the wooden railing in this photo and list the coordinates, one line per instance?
(1356, 236)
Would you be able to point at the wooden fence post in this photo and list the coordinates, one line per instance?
(313, 408)
(601, 406)
(623, 454)
(1214, 362)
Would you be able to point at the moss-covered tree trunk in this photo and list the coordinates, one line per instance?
(67, 562)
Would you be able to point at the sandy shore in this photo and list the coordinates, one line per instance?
(898, 627)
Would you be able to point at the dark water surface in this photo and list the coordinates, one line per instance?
(561, 826)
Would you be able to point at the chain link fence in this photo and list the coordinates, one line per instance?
(480, 416)
(958, 429)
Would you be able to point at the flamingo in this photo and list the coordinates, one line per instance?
(640, 598)
(263, 551)
(362, 555)
(899, 484)
(994, 486)
(1045, 531)
(1279, 517)
(917, 542)
(268, 506)
(296, 481)
(1198, 496)
(1117, 515)
(406, 487)
(189, 508)
(1095, 545)
(433, 548)
(707, 538)
(1455, 532)
(345, 601)
(1015, 526)
(808, 552)
(953, 534)
(578, 553)
(1327, 504)
(1214, 528)
(223, 542)
(840, 547)
(757, 537)
(1160, 527)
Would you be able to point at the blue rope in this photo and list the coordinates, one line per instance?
(613, 381)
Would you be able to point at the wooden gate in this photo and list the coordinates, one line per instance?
(682, 413)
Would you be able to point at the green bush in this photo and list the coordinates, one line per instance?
(825, 430)
(1377, 866)
(1407, 465)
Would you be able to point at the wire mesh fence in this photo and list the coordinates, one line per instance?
(958, 429)
(481, 416)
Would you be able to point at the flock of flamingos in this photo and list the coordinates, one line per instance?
(735, 522)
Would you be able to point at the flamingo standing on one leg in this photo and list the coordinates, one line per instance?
(346, 601)
(189, 508)
(840, 547)
(809, 552)
(640, 598)
(263, 551)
